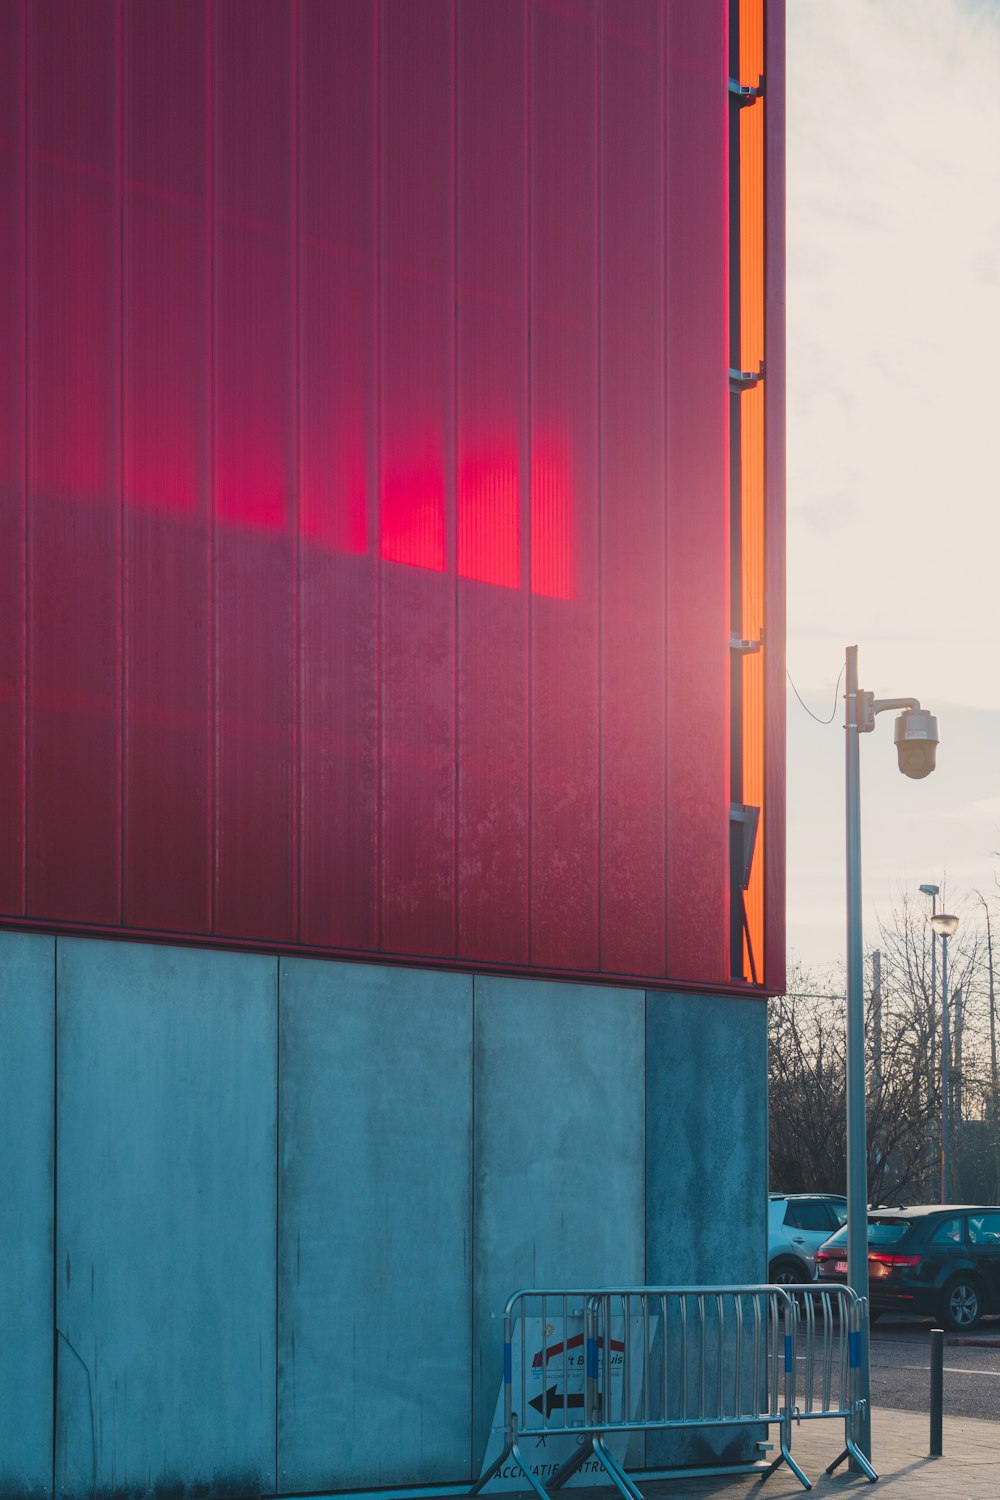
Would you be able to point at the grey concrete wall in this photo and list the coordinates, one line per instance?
(165, 1227)
(706, 1166)
(27, 1039)
(291, 1197)
(375, 1342)
(559, 1150)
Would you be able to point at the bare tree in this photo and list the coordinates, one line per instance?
(807, 1067)
(807, 1098)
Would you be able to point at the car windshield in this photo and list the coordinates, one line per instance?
(880, 1232)
(887, 1231)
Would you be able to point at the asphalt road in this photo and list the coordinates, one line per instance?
(901, 1369)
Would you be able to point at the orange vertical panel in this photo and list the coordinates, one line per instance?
(751, 190)
(774, 530)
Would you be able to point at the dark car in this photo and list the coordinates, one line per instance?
(933, 1261)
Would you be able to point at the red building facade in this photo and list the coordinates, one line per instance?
(391, 480)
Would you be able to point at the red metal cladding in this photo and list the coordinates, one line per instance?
(563, 387)
(417, 478)
(166, 421)
(338, 514)
(697, 546)
(255, 602)
(74, 442)
(493, 484)
(633, 578)
(13, 456)
(364, 479)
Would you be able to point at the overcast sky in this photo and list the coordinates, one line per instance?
(893, 440)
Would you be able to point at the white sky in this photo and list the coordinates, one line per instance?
(893, 440)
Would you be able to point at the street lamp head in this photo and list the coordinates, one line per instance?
(916, 737)
(930, 890)
(944, 925)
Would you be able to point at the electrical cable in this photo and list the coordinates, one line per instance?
(806, 706)
(808, 995)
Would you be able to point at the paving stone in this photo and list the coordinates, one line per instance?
(969, 1468)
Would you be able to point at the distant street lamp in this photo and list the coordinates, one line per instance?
(945, 927)
(916, 739)
(933, 891)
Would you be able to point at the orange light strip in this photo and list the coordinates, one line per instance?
(751, 167)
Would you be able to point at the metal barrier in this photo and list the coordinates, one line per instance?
(611, 1362)
(829, 1323)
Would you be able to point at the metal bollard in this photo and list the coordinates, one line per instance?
(937, 1390)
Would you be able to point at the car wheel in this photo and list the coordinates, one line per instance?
(962, 1304)
(786, 1273)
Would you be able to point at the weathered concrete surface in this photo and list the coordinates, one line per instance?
(165, 1239)
(27, 1035)
(706, 1164)
(375, 1336)
(558, 1151)
(232, 1318)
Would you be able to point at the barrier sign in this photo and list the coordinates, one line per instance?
(616, 1362)
(553, 1358)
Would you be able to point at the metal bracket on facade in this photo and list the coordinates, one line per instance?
(745, 380)
(744, 94)
(746, 820)
(746, 648)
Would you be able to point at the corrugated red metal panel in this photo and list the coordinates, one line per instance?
(338, 287)
(12, 455)
(377, 543)
(697, 490)
(74, 383)
(417, 489)
(255, 467)
(565, 777)
(633, 632)
(492, 538)
(166, 408)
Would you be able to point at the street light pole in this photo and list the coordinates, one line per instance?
(933, 891)
(945, 926)
(916, 740)
(945, 1068)
(857, 1144)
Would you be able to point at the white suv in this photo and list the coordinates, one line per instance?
(797, 1224)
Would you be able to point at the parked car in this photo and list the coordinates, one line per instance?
(930, 1260)
(797, 1224)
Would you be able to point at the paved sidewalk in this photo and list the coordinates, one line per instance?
(969, 1469)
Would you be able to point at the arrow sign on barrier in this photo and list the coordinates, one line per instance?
(552, 1398)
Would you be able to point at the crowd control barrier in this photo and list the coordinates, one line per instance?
(826, 1368)
(586, 1369)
